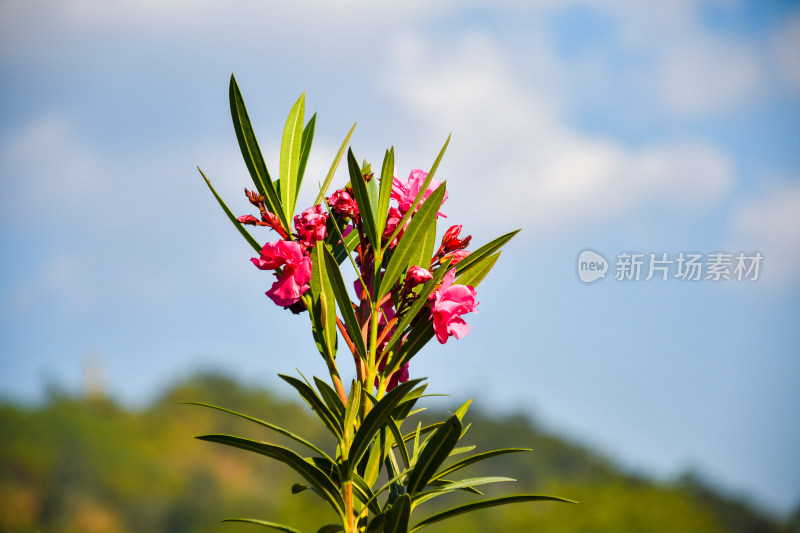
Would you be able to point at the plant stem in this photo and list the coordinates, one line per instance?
(349, 515)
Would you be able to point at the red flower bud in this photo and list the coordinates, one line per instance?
(248, 219)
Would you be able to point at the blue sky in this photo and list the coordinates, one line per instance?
(616, 126)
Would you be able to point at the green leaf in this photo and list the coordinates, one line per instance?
(372, 192)
(461, 411)
(252, 153)
(398, 515)
(249, 238)
(362, 199)
(458, 485)
(466, 264)
(313, 475)
(316, 404)
(331, 398)
(385, 193)
(290, 156)
(345, 305)
(323, 310)
(435, 452)
(305, 148)
(297, 488)
(479, 270)
(345, 248)
(334, 166)
(365, 494)
(377, 419)
(419, 197)
(425, 253)
(483, 505)
(462, 449)
(376, 524)
(476, 458)
(267, 425)
(408, 247)
(331, 528)
(351, 412)
(398, 439)
(273, 525)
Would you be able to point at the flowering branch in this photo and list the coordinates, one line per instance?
(408, 291)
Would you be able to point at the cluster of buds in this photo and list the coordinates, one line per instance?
(267, 218)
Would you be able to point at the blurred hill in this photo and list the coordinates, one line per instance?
(88, 465)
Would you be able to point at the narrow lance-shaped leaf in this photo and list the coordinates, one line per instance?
(345, 305)
(324, 302)
(362, 199)
(331, 398)
(313, 475)
(249, 238)
(476, 458)
(273, 525)
(316, 404)
(385, 193)
(421, 194)
(458, 485)
(408, 247)
(479, 271)
(377, 419)
(267, 425)
(483, 505)
(252, 153)
(484, 251)
(435, 452)
(290, 156)
(305, 149)
(333, 168)
(351, 412)
(398, 515)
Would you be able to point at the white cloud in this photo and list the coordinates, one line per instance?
(515, 135)
(771, 224)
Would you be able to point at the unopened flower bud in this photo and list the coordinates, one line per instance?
(417, 275)
(248, 219)
(451, 242)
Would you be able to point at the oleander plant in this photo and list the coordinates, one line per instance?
(405, 287)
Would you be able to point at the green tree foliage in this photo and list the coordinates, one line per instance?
(91, 466)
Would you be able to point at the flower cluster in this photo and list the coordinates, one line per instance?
(289, 258)
(291, 261)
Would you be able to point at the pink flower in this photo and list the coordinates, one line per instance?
(293, 281)
(343, 204)
(417, 275)
(392, 220)
(405, 193)
(310, 225)
(457, 256)
(448, 303)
